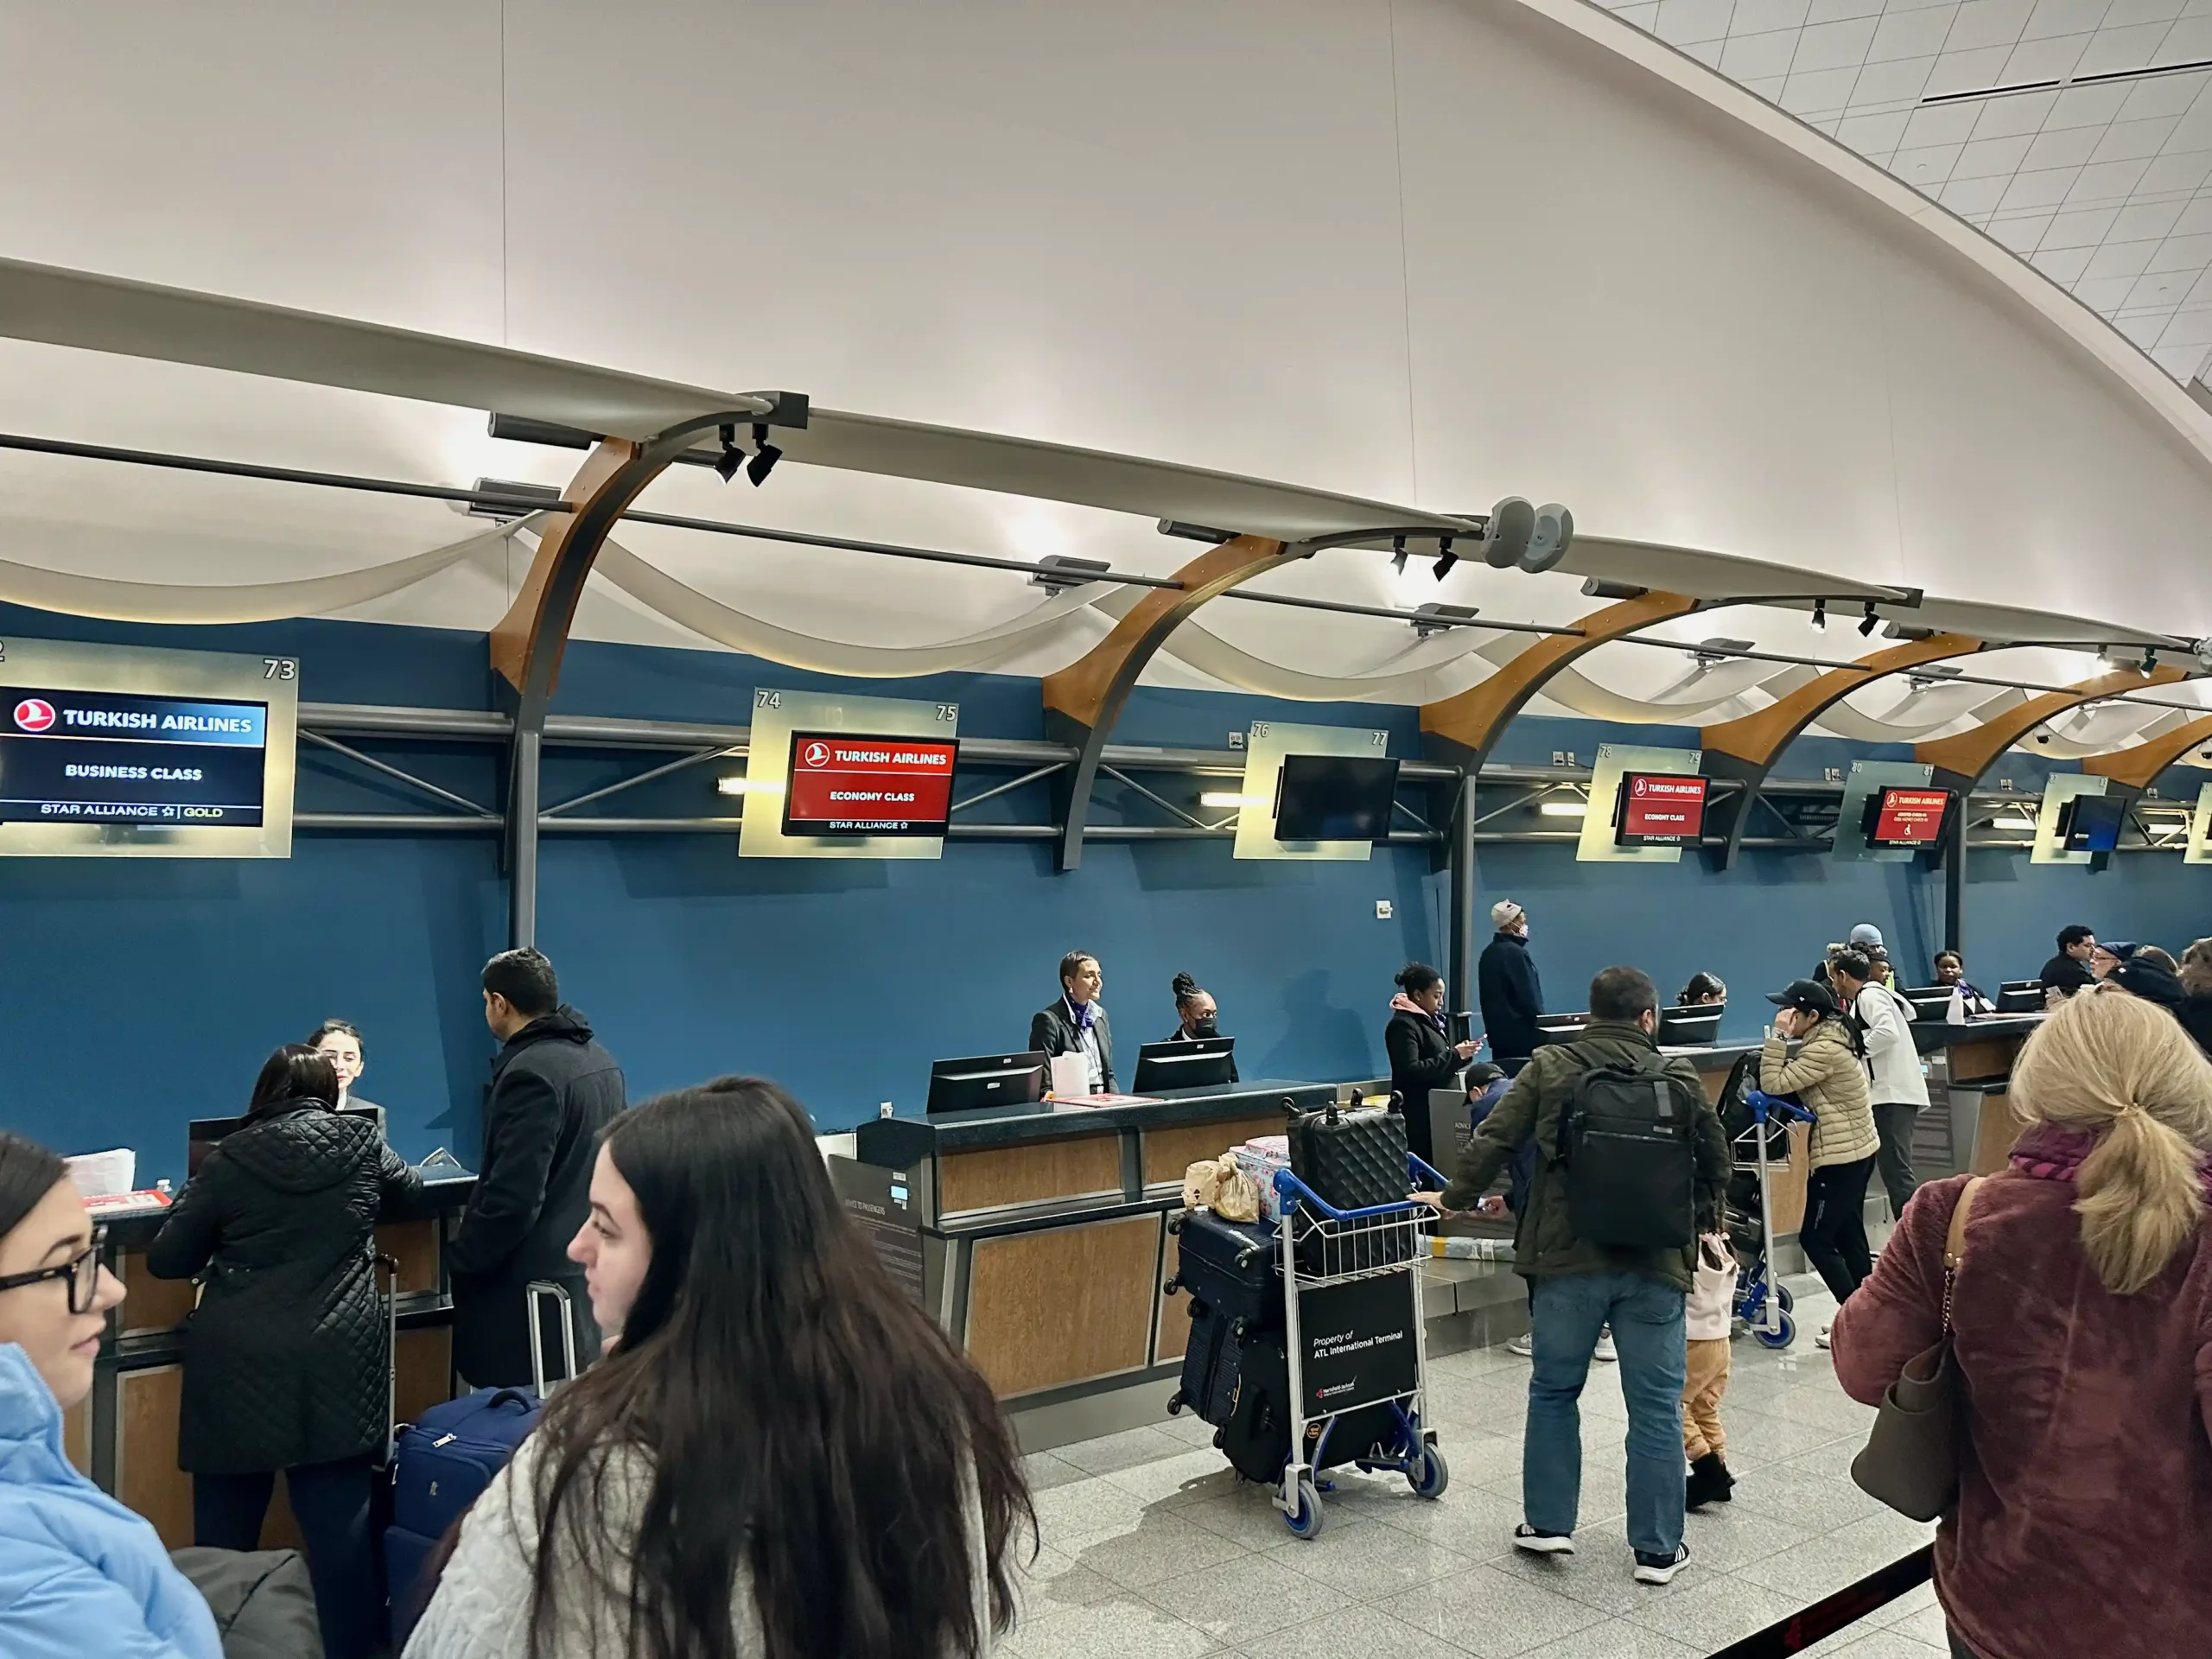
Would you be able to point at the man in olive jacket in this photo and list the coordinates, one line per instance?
(1577, 1289)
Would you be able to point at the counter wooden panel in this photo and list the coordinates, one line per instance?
(77, 1436)
(1173, 1334)
(1062, 1305)
(1785, 1188)
(1031, 1173)
(1985, 1056)
(2001, 1126)
(1168, 1153)
(147, 1478)
(414, 1245)
(151, 1304)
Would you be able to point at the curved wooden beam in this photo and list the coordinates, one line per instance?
(527, 645)
(1463, 727)
(1746, 749)
(1084, 700)
(1960, 761)
(2138, 766)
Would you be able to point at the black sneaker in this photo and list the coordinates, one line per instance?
(1661, 1569)
(1542, 1544)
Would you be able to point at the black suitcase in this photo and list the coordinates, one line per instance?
(1352, 1163)
(1257, 1437)
(1229, 1270)
(1213, 1361)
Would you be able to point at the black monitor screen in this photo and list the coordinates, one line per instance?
(2091, 822)
(1334, 798)
(1201, 1062)
(986, 1080)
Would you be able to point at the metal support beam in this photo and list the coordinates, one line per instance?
(1460, 967)
(1084, 700)
(1954, 879)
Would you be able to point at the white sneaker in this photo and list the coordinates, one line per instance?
(1543, 1543)
(1821, 1338)
(1524, 1346)
(1605, 1353)
(1658, 1569)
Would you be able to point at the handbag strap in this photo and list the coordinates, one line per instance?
(1954, 1243)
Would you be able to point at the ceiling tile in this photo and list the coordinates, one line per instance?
(2189, 42)
(1705, 52)
(1696, 20)
(1750, 55)
(2190, 326)
(2142, 220)
(2184, 172)
(2052, 18)
(1911, 34)
(1833, 46)
(2045, 189)
(2002, 118)
(1941, 124)
(2160, 289)
(1644, 16)
(2104, 182)
(2049, 59)
(2082, 230)
(2019, 231)
(1868, 133)
(2144, 327)
(1829, 11)
(1899, 82)
(2178, 361)
(2125, 12)
(2194, 129)
(1967, 72)
(1924, 168)
(2069, 147)
(2201, 292)
(1988, 157)
(2103, 293)
(2134, 141)
(2120, 259)
(1824, 89)
(1967, 197)
(2113, 48)
(2163, 95)
(1764, 16)
(2181, 253)
(1769, 88)
(2060, 264)
(1988, 22)
(2196, 218)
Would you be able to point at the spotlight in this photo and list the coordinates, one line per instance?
(731, 457)
(1398, 554)
(1446, 558)
(764, 456)
(2149, 660)
(1869, 622)
(1819, 613)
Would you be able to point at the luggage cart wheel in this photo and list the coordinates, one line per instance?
(1429, 1474)
(1781, 1295)
(1304, 1518)
(1781, 1339)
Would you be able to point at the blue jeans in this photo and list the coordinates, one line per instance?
(1646, 1317)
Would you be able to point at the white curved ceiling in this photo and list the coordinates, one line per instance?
(1427, 252)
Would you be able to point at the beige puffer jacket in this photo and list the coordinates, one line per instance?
(1827, 1075)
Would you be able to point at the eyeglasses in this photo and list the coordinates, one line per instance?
(83, 1274)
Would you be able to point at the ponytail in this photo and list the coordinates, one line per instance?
(2140, 1200)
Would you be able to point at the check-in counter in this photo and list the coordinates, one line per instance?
(124, 1436)
(1037, 1236)
(1970, 1126)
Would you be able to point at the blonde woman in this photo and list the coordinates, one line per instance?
(2081, 1319)
(2196, 1010)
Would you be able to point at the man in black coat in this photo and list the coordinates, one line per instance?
(553, 1090)
(1512, 996)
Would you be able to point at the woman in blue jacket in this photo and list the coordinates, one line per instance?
(78, 1572)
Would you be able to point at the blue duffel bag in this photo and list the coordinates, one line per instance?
(440, 1464)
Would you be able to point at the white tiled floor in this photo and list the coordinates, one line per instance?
(1152, 1548)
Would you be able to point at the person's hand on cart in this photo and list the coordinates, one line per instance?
(1493, 1207)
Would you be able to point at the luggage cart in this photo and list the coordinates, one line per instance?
(1763, 1302)
(1325, 1249)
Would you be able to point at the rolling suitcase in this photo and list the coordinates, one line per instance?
(1228, 1269)
(442, 1461)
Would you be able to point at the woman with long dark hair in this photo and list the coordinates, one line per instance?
(779, 1454)
(284, 1359)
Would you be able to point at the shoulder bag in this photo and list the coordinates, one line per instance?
(1911, 1459)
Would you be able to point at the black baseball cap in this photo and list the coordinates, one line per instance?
(1808, 994)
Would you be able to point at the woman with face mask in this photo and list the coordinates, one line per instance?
(1196, 1015)
(78, 1572)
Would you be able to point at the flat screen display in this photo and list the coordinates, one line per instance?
(1334, 798)
(854, 784)
(110, 757)
(1659, 808)
(2091, 822)
(1907, 818)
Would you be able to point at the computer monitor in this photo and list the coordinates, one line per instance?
(1334, 798)
(200, 1136)
(1560, 1027)
(1928, 1001)
(1692, 1026)
(2091, 823)
(1196, 1063)
(987, 1080)
(2020, 999)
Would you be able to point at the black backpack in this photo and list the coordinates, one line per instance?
(1626, 1142)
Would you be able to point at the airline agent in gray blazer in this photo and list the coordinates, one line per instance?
(1077, 1023)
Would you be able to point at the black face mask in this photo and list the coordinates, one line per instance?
(1207, 1027)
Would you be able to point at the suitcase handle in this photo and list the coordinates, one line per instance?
(390, 1264)
(1293, 1191)
(502, 1397)
(536, 1289)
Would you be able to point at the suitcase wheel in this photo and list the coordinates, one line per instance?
(1171, 1288)
(1175, 1403)
(1174, 1224)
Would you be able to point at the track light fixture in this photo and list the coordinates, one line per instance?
(731, 457)
(1446, 558)
(1819, 613)
(1398, 554)
(2149, 660)
(765, 455)
(1868, 623)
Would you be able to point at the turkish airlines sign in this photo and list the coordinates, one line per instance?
(852, 783)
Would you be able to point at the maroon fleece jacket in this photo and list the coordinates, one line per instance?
(2084, 1522)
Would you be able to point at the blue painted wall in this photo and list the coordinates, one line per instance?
(148, 993)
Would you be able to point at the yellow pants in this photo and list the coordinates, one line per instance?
(1707, 1382)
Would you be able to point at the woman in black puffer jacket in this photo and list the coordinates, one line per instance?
(284, 1364)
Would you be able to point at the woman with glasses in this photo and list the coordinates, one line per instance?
(79, 1573)
(284, 1360)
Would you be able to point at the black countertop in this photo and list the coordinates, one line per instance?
(441, 1195)
(897, 1142)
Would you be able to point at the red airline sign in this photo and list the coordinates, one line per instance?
(852, 783)
(1909, 817)
(1661, 809)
